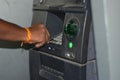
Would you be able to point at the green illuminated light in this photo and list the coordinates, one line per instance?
(70, 45)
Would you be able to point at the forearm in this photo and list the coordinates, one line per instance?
(11, 32)
(37, 34)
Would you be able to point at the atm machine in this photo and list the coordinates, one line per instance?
(70, 55)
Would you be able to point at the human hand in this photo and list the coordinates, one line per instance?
(39, 35)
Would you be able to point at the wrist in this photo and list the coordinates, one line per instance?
(27, 38)
(28, 32)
